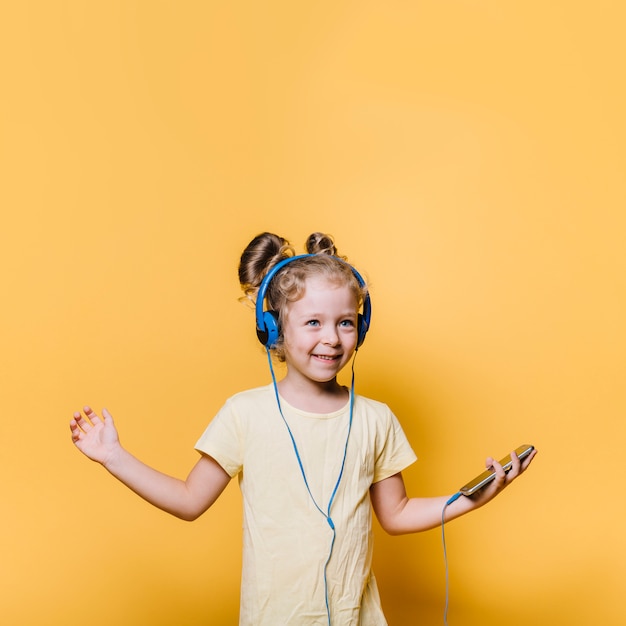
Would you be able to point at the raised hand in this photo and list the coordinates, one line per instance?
(95, 437)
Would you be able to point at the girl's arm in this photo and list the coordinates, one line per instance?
(398, 514)
(97, 438)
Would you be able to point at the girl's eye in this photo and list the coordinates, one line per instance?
(347, 323)
(313, 323)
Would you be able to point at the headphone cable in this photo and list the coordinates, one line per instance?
(452, 499)
(329, 519)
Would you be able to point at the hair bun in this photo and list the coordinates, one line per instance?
(320, 243)
(260, 255)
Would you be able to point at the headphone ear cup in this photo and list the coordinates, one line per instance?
(362, 329)
(272, 331)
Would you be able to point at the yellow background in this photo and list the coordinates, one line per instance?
(469, 159)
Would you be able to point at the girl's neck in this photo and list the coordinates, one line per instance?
(314, 397)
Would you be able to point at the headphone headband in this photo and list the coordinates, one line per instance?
(267, 328)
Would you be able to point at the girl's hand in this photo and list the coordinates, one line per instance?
(95, 437)
(502, 479)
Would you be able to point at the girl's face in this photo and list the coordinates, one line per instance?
(320, 330)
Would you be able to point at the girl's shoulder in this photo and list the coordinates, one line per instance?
(253, 398)
(371, 404)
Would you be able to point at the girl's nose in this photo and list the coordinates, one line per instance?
(331, 336)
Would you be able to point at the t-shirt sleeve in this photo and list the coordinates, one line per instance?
(222, 440)
(395, 453)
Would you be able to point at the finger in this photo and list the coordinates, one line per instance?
(89, 412)
(515, 465)
(499, 472)
(75, 429)
(80, 420)
(526, 462)
(106, 415)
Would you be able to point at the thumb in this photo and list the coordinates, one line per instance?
(106, 415)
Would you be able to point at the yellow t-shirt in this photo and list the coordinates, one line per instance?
(286, 538)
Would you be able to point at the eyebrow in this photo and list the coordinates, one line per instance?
(314, 314)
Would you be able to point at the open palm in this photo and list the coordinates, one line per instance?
(95, 437)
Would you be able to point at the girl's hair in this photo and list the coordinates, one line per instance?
(267, 249)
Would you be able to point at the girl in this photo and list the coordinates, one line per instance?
(310, 455)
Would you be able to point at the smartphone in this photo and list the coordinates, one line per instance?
(488, 475)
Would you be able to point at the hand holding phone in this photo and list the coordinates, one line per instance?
(488, 475)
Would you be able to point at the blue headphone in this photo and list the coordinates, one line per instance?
(267, 328)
